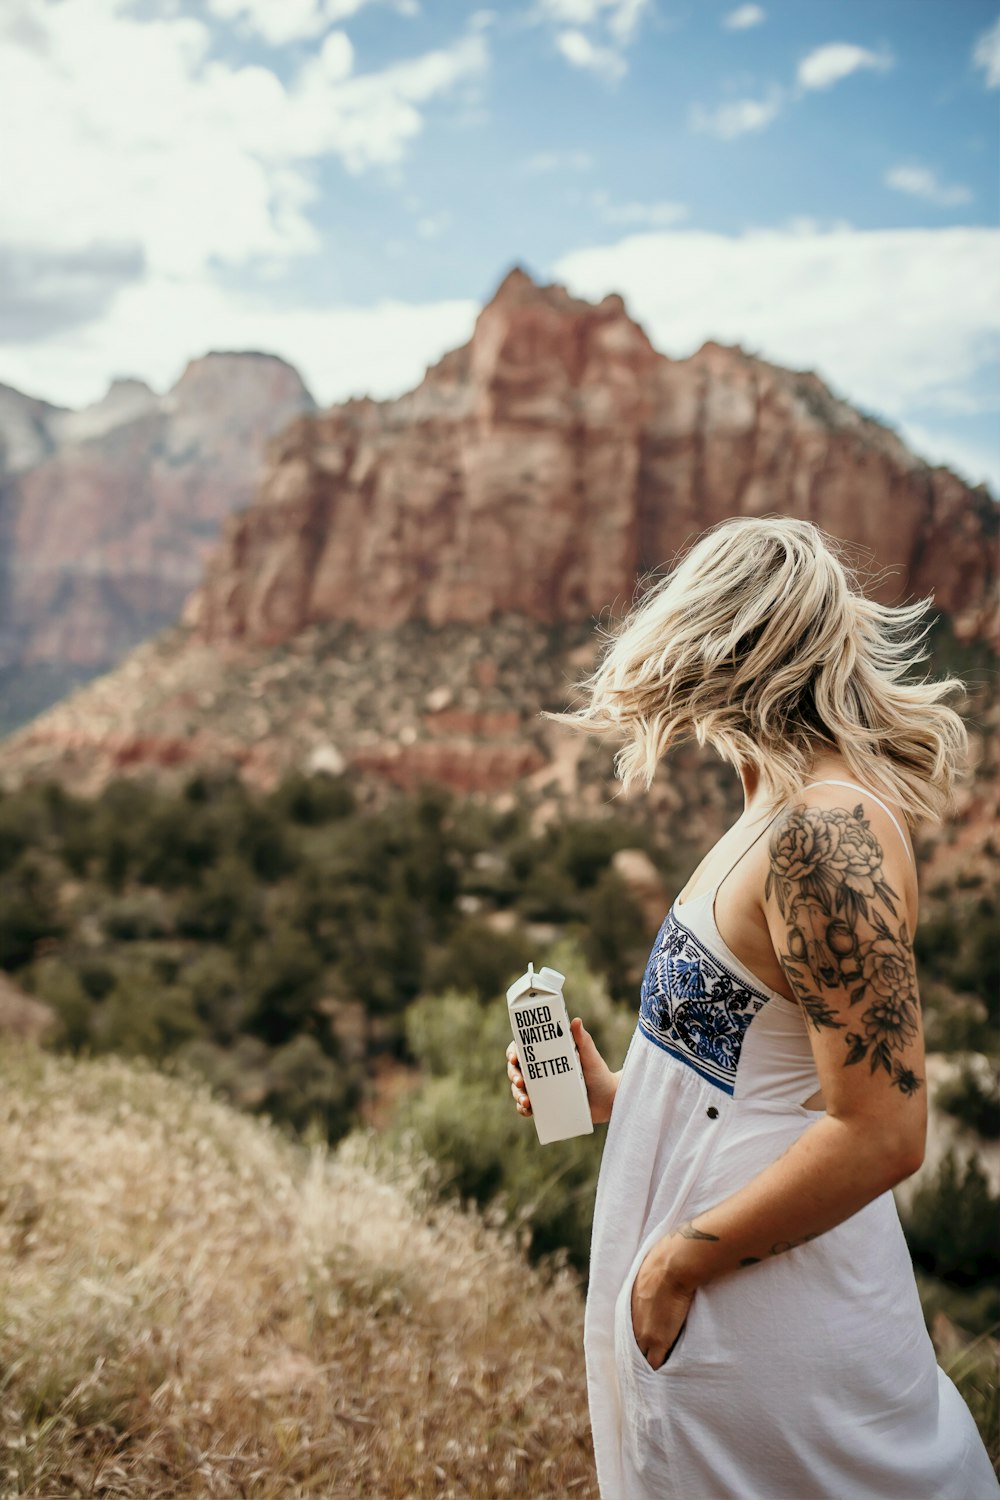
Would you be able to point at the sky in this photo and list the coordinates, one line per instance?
(346, 182)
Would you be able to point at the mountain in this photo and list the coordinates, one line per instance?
(541, 467)
(417, 578)
(29, 430)
(107, 514)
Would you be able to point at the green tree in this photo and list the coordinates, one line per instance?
(29, 908)
(284, 982)
(951, 1225)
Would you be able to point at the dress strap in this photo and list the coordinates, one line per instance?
(867, 792)
(759, 835)
(829, 781)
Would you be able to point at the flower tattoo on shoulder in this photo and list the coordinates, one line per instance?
(827, 878)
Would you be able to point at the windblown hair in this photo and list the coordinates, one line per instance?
(762, 644)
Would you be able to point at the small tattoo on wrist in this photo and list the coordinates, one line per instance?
(689, 1232)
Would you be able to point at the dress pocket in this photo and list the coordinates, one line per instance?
(627, 1330)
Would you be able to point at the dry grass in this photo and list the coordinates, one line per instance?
(193, 1306)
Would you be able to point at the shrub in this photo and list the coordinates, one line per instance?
(972, 1096)
(951, 1225)
(176, 845)
(23, 826)
(464, 1117)
(137, 916)
(314, 800)
(225, 904)
(479, 961)
(262, 841)
(614, 934)
(142, 1015)
(307, 1089)
(958, 945)
(548, 894)
(96, 976)
(58, 984)
(29, 903)
(584, 849)
(284, 982)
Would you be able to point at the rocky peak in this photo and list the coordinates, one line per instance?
(220, 377)
(516, 286)
(127, 398)
(529, 337)
(554, 458)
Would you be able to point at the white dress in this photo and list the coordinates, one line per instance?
(809, 1376)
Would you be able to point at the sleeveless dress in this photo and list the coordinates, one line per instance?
(809, 1376)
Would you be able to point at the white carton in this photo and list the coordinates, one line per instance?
(548, 1057)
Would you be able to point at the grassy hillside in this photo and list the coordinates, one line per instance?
(193, 1305)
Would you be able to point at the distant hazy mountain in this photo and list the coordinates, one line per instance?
(107, 514)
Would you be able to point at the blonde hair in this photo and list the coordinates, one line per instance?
(761, 643)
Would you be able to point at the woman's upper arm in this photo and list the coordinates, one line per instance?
(837, 916)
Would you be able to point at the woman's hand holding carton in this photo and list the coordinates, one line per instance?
(601, 1083)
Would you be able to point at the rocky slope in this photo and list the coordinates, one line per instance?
(107, 514)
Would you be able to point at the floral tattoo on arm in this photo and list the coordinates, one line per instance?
(844, 933)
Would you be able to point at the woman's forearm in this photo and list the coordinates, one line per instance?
(830, 1172)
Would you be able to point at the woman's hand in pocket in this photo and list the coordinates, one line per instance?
(659, 1309)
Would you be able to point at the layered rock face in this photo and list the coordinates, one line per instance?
(107, 515)
(543, 466)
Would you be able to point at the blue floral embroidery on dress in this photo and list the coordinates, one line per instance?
(684, 975)
(693, 1007)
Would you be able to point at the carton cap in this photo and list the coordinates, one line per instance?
(545, 982)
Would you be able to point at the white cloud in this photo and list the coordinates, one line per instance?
(578, 49)
(986, 55)
(828, 64)
(617, 21)
(131, 132)
(920, 182)
(622, 17)
(903, 322)
(652, 215)
(739, 117)
(280, 21)
(155, 327)
(743, 17)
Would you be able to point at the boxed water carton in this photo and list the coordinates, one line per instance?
(548, 1057)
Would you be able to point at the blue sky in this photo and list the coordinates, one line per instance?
(344, 182)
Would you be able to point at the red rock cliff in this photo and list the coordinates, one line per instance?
(545, 464)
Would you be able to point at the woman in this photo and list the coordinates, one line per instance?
(753, 1328)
